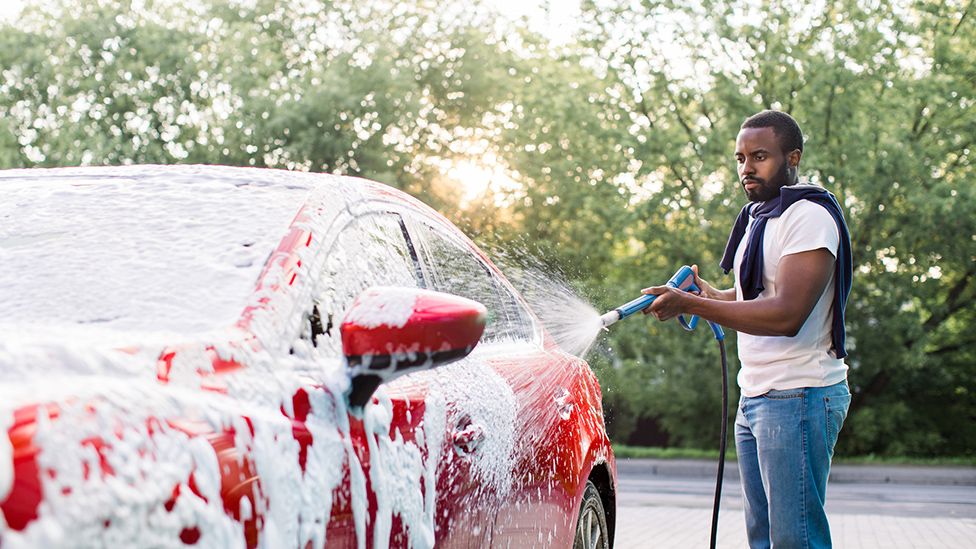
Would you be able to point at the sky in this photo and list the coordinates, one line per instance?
(9, 9)
(557, 22)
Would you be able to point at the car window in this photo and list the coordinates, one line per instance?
(453, 267)
(372, 250)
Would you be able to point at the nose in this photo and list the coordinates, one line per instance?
(746, 168)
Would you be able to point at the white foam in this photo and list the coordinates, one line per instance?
(136, 249)
(116, 495)
(476, 393)
(383, 307)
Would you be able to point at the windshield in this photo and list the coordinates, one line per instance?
(147, 249)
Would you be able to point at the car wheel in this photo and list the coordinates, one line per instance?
(591, 526)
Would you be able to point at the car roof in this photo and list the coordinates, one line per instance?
(136, 248)
(283, 194)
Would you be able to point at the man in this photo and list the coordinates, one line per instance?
(790, 251)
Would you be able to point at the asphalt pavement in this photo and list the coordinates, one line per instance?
(667, 503)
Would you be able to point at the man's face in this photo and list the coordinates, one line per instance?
(762, 166)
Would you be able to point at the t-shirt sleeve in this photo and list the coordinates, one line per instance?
(808, 226)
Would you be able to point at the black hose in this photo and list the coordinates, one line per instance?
(721, 444)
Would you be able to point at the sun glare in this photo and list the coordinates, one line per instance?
(10, 9)
(474, 179)
(477, 179)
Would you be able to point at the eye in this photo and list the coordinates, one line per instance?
(740, 159)
(760, 157)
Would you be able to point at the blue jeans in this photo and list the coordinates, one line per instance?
(785, 441)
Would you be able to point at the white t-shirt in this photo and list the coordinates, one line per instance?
(806, 359)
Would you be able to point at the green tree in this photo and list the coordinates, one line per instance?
(618, 146)
(884, 94)
(378, 89)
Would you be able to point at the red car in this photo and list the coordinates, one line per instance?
(229, 357)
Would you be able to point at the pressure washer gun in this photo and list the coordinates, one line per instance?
(684, 279)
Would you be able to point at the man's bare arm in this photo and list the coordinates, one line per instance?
(800, 281)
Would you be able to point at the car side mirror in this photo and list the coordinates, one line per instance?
(389, 332)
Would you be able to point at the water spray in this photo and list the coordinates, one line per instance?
(684, 279)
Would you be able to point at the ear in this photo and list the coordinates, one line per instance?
(793, 158)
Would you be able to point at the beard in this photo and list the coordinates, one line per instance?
(768, 189)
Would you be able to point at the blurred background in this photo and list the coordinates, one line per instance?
(594, 136)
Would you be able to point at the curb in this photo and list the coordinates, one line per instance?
(848, 474)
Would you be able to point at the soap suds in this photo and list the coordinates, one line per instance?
(109, 247)
(130, 461)
(376, 307)
(479, 397)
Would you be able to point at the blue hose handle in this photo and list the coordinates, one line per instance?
(684, 279)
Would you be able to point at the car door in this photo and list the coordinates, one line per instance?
(537, 506)
(403, 481)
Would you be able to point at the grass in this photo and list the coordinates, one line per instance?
(624, 451)
(962, 461)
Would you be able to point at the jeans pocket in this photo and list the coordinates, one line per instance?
(836, 411)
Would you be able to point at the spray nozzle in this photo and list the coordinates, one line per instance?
(609, 318)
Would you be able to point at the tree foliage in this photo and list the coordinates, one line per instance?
(619, 144)
(884, 94)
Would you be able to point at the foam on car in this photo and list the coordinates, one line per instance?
(398, 471)
(476, 392)
(383, 309)
(137, 249)
(117, 473)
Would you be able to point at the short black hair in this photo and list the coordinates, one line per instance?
(784, 126)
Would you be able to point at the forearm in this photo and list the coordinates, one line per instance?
(761, 317)
(721, 295)
(801, 280)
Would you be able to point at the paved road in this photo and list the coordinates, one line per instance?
(672, 508)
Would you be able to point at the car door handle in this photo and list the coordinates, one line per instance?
(468, 439)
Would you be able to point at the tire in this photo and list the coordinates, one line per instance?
(591, 525)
